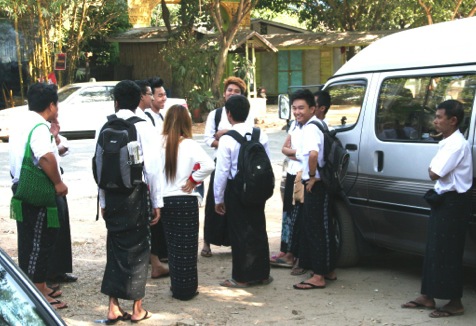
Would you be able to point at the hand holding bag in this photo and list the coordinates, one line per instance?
(298, 194)
(34, 188)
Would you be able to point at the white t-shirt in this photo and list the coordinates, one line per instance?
(41, 142)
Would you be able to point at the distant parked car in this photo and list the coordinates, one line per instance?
(20, 302)
(82, 108)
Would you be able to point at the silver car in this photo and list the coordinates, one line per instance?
(20, 302)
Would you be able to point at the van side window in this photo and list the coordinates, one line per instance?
(406, 105)
(346, 103)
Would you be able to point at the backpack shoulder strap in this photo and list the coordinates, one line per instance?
(255, 134)
(112, 117)
(218, 114)
(236, 136)
(150, 117)
(320, 126)
(134, 119)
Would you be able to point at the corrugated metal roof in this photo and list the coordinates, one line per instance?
(332, 39)
(261, 42)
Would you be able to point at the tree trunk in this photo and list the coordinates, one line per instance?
(220, 71)
(41, 26)
(427, 10)
(19, 56)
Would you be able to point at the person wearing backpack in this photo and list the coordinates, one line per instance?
(317, 241)
(124, 205)
(244, 207)
(215, 229)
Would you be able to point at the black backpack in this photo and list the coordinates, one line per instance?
(113, 168)
(336, 161)
(254, 180)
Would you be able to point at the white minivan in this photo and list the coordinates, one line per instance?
(383, 106)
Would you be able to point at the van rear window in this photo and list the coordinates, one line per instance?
(406, 105)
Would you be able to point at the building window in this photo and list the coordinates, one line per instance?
(263, 29)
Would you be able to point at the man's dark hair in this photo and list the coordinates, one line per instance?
(143, 84)
(304, 94)
(453, 108)
(323, 99)
(40, 96)
(239, 107)
(127, 95)
(155, 82)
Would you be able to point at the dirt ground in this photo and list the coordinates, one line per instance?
(369, 294)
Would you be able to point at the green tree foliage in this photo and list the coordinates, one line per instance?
(368, 15)
(64, 25)
(227, 27)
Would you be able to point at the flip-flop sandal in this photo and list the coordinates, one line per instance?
(441, 313)
(55, 293)
(206, 253)
(416, 305)
(330, 278)
(298, 271)
(310, 286)
(280, 263)
(147, 316)
(58, 304)
(231, 283)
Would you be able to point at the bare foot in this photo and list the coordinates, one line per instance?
(159, 271)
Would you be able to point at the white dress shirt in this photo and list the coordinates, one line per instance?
(158, 119)
(294, 166)
(42, 142)
(189, 153)
(211, 129)
(453, 163)
(148, 150)
(312, 140)
(141, 114)
(227, 158)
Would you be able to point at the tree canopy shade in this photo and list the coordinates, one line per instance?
(66, 26)
(369, 15)
(227, 23)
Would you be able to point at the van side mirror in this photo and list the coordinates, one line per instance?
(283, 107)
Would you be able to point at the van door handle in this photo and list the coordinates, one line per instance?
(379, 161)
(351, 147)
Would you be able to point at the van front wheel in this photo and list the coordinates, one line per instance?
(347, 250)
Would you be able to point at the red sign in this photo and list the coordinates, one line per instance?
(60, 61)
